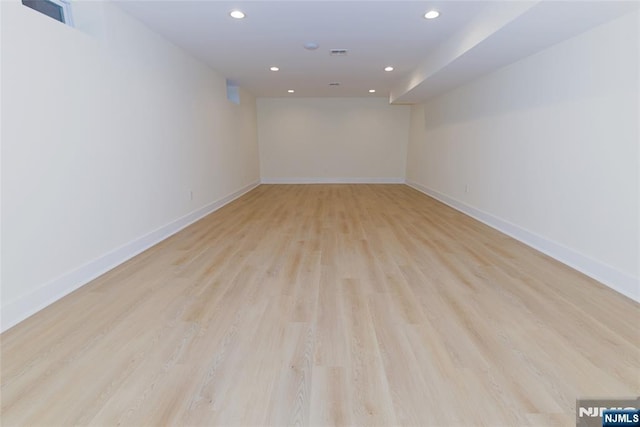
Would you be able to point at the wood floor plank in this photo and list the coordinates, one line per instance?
(330, 404)
(325, 305)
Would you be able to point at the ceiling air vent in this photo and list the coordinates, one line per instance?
(334, 84)
(338, 52)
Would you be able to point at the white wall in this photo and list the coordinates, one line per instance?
(549, 149)
(103, 138)
(332, 140)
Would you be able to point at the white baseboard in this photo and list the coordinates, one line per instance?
(332, 180)
(605, 274)
(19, 309)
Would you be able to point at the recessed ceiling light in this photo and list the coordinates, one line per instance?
(432, 14)
(274, 69)
(372, 91)
(388, 68)
(237, 14)
(291, 91)
(311, 45)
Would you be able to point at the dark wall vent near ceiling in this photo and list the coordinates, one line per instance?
(338, 52)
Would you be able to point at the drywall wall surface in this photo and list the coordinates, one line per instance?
(107, 138)
(332, 139)
(548, 148)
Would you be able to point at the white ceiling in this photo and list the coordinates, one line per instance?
(468, 39)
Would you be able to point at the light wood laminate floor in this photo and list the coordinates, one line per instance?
(325, 305)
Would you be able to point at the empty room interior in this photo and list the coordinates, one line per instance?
(327, 213)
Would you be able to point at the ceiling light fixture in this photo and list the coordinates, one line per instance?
(291, 91)
(388, 68)
(237, 14)
(274, 69)
(372, 91)
(311, 45)
(432, 14)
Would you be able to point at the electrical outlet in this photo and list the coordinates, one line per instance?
(190, 194)
(466, 188)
